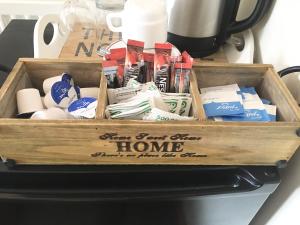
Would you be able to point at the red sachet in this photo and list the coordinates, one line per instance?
(110, 71)
(118, 54)
(182, 74)
(134, 60)
(162, 66)
(173, 61)
(149, 66)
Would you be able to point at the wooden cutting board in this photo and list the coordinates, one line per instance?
(83, 42)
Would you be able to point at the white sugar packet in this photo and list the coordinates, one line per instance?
(222, 103)
(231, 87)
(254, 111)
(271, 110)
(159, 115)
(249, 94)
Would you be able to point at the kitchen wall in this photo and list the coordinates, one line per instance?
(277, 36)
(26, 9)
(277, 42)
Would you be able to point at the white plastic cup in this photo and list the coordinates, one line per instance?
(29, 101)
(145, 21)
(89, 92)
(47, 84)
(49, 101)
(51, 114)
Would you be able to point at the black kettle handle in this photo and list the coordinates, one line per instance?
(289, 70)
(260, 10)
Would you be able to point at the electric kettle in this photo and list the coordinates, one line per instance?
(202, 26)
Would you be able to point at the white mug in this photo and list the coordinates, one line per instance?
(145, 21)
(29, 101)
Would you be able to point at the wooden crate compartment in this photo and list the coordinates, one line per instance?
(196, 110)
(265, 80)
(102, 141)
(29, 73)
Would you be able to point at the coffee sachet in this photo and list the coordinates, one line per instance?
(149, 66)
(162, 66)
(182, 74)
(118, 54)
(173, 61)
(110, 71)
(134, 61)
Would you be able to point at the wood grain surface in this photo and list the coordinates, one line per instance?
(102, 141)
(83, 42)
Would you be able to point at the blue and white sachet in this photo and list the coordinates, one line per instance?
(221, 103)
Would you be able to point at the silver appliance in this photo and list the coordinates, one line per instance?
(201, 26)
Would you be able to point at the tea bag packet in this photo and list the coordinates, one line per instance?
(84, 108)
(132, 83)
(249, 94)
(222, 103)
(134, 60)
(134, 109)
(162, 66)
(120, 94)
(119, 55)
(160, 115)
(185, 106)
(176, 94)
(133, 114)
(131, 90)
(271, 110)
(110, 71)
(231, 87)
(182, 74)
(253, 111)
(150, 91)
(149, 66)
(178, 105)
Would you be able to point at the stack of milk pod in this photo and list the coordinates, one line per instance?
(63, 100)
(234, 103)
(147, 86)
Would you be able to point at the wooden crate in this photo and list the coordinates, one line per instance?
(103, 141)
